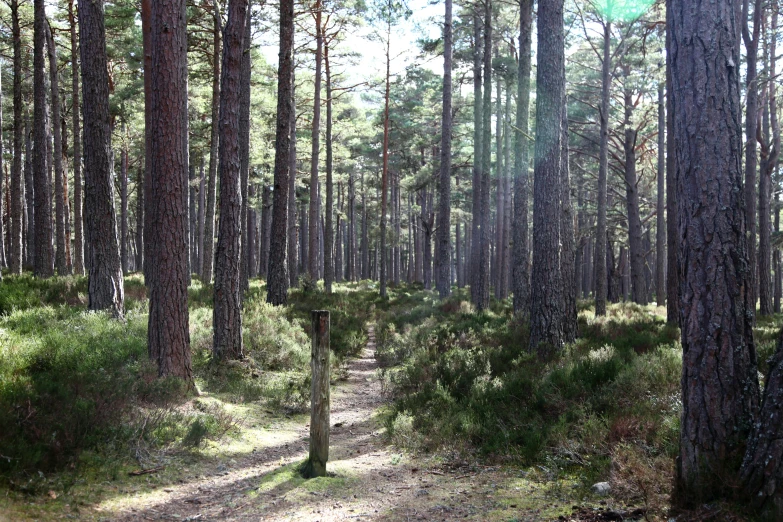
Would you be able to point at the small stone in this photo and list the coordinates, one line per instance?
(601, 488)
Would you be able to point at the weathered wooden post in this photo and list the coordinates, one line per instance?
(319, 393)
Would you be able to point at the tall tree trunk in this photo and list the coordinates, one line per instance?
(29, 194)
(140, 217)
(312, 262)
(478, 120)
(567, 242)
(329, 226)
(105, 286)
(208, 258)
(660, 229)
(168, 336)
(770, 154)
(193, 228)
(672, 221)
(500, 202)
(244, 153)
(78, 227)
(601, 280)
(351, 243)
(3, 256)
(486, 162)
(285, 162)
(44, 260)
(635, 245)
(124, 203)
(444, 196)
(521, 262)
(266, 211)
(385, 160)
(252, 237)
(293, 261)
(147, 247)
(751, 40)
(60, 198)
(546, 298)
(227, 314)
(720, 392)
(17, 183)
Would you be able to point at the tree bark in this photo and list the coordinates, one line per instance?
(244, 152)
(208, 258)
(385, 161)
(329, 225)
(44, 260)
(285, 162)
(601, 280)
(521, 264)
(751, 39)
(672, 221)
(635, 245)
(61, 258)
(227, 314)
(124, 203)
(660, 229)
(293, 257)
(17, 184)
(485, 231)
(105, 285)
(167, 334)
(568, 245)
(444, 196)
(312, 261)
(478, 120)
(546, 299)
(720, 390)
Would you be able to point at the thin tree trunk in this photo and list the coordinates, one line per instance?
(44, 260)
(660, 232)
(636, 247)
(567, 242)
(293, 261)
(124, 203)
(244, 153)
(672, 222)
(486, 157)
(603, 165)
(312, 262)
(61, 259)
(140, 217)
(329, 232)
(751, 40)
(105, 287)
(385, 164)
(478, 120)
(16, 206)
(202, 202)
(521, 263)
(227, 313)
(444, 196)
(208, 259)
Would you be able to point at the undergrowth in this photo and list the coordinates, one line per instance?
(77, 388)
(604, 408)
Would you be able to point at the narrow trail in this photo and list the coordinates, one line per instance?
(371, 481)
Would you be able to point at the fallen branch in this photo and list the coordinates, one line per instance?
(145, 471)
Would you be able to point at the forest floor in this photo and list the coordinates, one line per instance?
(252, 475)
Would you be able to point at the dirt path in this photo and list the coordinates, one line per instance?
(371, 480)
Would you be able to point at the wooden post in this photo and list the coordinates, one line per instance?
(319, 411)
